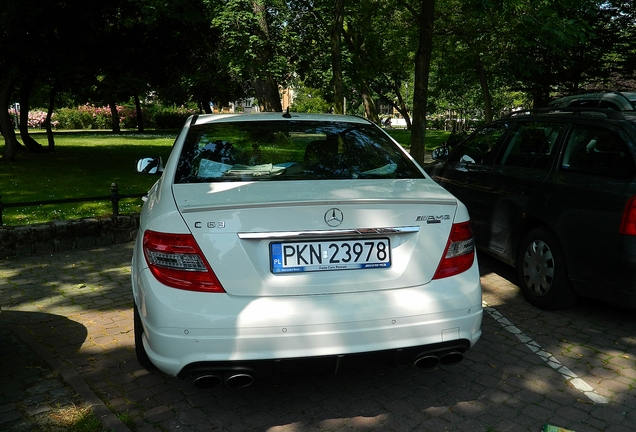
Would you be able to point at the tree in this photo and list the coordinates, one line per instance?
(258, 45)
(34, 32)
(424, 15)
(23, 25)
(336, 56)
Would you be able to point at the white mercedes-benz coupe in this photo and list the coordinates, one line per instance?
(280, 242)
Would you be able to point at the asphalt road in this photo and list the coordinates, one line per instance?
(67, 339)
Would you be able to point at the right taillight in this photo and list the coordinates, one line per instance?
(176, 260)
(628, 223)
(459, 254)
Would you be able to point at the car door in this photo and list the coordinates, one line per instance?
(461, 172)
(588, 193)
(511, 185)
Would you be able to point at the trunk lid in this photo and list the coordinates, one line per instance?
(235, 224)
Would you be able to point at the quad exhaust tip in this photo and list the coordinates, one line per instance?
(206, 381)
(231, 379)
(432, 361)
(238, 379)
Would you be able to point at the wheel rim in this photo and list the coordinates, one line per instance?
(538, 268)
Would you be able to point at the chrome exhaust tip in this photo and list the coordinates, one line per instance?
(427, 362)
(452, 358)
(239, 380)
(206, 381)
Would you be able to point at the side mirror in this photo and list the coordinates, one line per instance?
(467, 159)
(150, 165)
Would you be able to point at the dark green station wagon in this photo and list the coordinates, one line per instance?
(553, 194)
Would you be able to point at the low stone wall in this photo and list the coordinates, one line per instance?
(59, 236)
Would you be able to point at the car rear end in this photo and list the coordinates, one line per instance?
(249, 265)
(594, 191)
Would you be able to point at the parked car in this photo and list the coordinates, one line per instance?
(619, 101)
(275, 242)
(554, 195)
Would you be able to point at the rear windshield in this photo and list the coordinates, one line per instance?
(290, 150)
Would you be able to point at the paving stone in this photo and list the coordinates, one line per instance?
(82, 306)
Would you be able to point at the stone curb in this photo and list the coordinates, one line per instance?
(59, 236)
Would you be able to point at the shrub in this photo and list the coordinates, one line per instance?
(37, 119)
(170, 117)
(310, 100)
(73, 118)
(94, 117)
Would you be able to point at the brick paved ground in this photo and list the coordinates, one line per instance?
(67, 334)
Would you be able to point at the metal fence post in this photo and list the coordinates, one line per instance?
(114, 198)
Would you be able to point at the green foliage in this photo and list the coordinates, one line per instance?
(169, 117)
(308, 100)
(215, 50)
(155, 116)
(73, 118)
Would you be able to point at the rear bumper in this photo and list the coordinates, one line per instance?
(185, 330)
(178, 356)
(428, 357)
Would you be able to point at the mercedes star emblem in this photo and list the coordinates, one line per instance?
(334, 217)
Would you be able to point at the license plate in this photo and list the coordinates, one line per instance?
(293, 257)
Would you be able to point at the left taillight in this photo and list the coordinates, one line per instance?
(177, 261)
(459, 254)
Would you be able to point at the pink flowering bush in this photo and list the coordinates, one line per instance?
(37, 118)
(89, 116)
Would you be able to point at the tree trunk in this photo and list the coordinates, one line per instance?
(266, 91)
(115, 116)
(140, 117)
(369, 105)
(540, 96)
(401, 106)
(49, 115)
(425, 19)
(25, 95)
(481, 73)
(11, 144)
(265, 86)
(336, 58)
(205, 107)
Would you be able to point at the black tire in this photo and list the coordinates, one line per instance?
(142, 356)
(542, 275)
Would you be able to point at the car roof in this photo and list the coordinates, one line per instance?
(625, 99)
(574, 113)
(275, 116)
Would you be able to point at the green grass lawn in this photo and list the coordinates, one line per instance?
(86, 163)
(434, 138)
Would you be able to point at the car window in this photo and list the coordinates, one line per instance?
(290, 150)
(609, 105)
(481, 146)
(585, 103)
(530, 145)
(598, 151)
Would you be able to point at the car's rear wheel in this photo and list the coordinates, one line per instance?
(140, 351)
(542, 275)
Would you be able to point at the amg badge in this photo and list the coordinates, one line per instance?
(432, 219)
